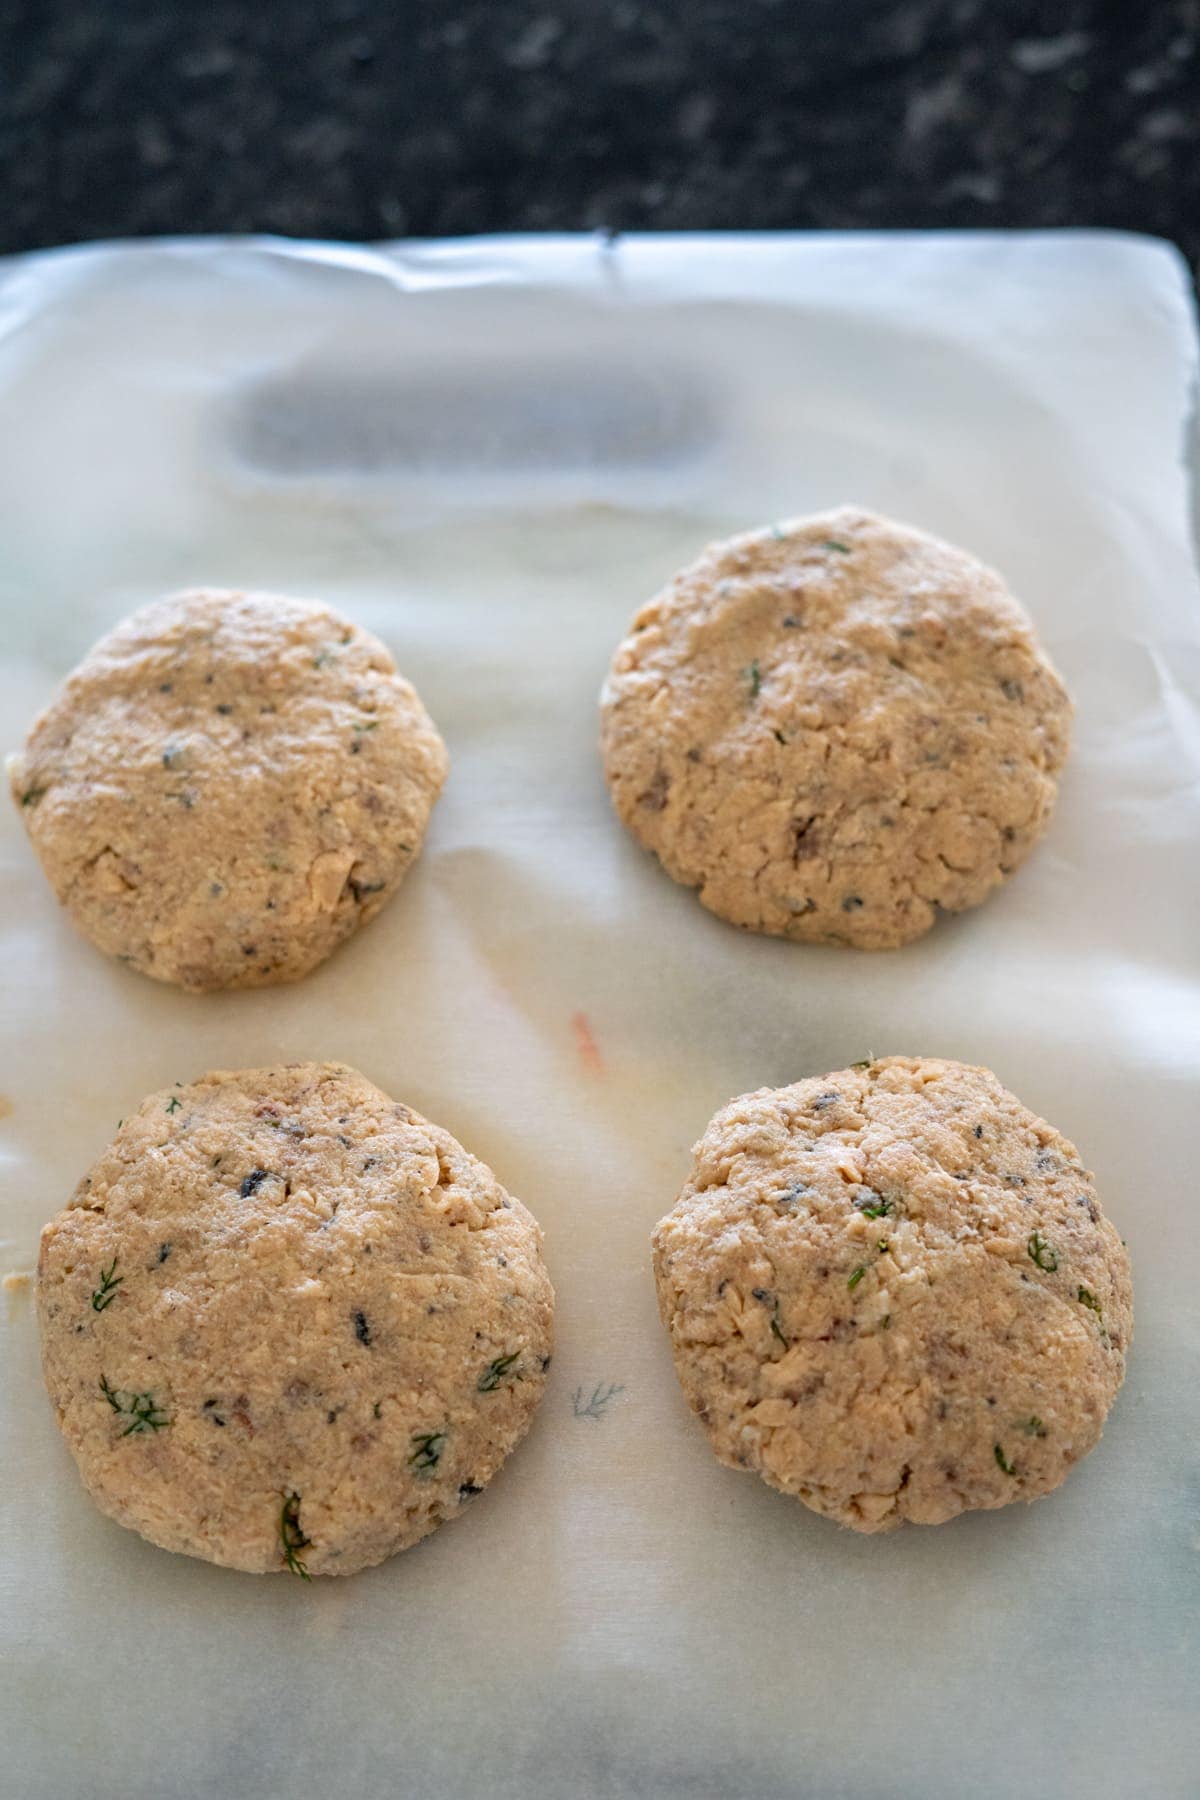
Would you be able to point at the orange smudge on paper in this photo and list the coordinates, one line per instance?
(6, 1106)
(585, 1043)
(16, 1281)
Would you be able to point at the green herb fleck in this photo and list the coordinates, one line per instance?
(753, 674)
(866, 1063)
(427, 1451)
(877, 1207)
(779, 737)
(142, 1410)
(106, 1293)
(173, 1104)
(1033, 1426)
(998, 1452)
(777, 1328)
(31, 796)
(372, 726)
(292, 1537)
(856, 1277)
(145, 1415)
(601, 1397)
(322, 657)
(837, 545)
(1044, 1257)
(1087, 1298)
(881, 1245)
(495, 1372)
(377, 1410)
(886, 1322)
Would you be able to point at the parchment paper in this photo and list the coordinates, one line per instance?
(490, 453)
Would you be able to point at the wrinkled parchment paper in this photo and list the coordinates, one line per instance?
(490, 453)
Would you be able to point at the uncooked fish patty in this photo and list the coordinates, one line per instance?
(891, 1292)
(833, 729)
(229, 785)
(289, 1324)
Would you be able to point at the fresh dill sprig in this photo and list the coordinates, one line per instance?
(1043, 1256)
(495, 1372)
(292, 1538)
(857, 1276)
(427, 1451)
(106, 1293)
(142, 1410)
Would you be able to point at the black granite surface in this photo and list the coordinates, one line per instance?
(379, 118)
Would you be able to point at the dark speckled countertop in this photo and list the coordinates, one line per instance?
(379, 118)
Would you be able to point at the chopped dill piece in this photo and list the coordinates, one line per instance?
(1043, 1256)
(142, 1410)
(495, 1372)
(292, 1538)
(427, 1451)
(879, 1206)
(106, 1293)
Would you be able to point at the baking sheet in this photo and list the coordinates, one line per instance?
(490, 452)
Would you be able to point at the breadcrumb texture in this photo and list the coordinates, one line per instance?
(227, 786)
(833, 729)
(312, 1299)
(891, 1292)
